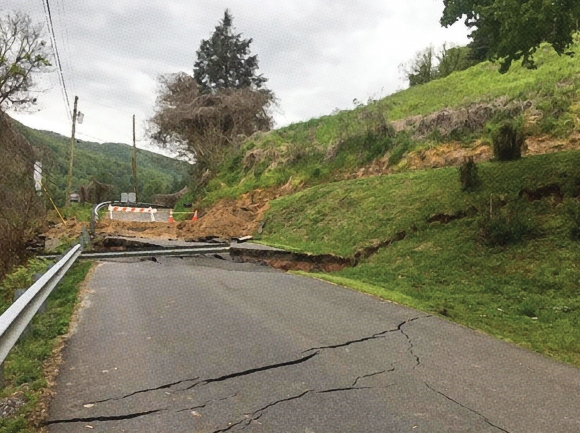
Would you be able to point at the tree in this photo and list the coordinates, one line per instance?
(453, 59)
(431, 64)
(224, 61)
(509, 30)
(23, 52)
(422, 68)
(207, 126)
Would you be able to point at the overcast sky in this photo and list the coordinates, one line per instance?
(318, 55)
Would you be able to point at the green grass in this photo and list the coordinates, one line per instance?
(342, 217)
(23, 366)
(298, 151)
(526, 292)
(82, 212)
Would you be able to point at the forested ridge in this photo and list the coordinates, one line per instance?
(108, 163)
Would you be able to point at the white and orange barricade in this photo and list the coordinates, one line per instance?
(148, 210)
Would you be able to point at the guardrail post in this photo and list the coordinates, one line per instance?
(17, 294)
(43, 307)
(85, 239)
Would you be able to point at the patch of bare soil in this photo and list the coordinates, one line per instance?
(447, 122)
(453, 154)
(225, 219)
(58, 230)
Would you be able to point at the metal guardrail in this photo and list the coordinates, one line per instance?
(176, 252)
(16, 318)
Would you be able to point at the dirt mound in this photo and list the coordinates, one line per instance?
(225, 219)
(58, 230)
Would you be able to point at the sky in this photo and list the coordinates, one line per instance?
(318, 55)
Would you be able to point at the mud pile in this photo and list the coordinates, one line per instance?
(58, 230)
(225, 219)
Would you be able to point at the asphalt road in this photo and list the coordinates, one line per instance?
(205, 345)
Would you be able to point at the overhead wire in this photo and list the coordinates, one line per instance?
(62, 19)
(50, 25)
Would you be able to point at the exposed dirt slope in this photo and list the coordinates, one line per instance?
(243, 216)
(226, 219)
(452, 154)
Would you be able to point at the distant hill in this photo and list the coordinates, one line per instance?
(107, 163)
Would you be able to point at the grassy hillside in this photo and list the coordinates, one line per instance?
(525, 291)
(108, 163)
(328, 148)
(343, 217)
(503, 259)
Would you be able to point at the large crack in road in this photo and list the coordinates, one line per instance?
(485, 419)
(248, 418)
(204, 335)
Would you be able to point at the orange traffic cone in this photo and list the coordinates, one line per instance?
(170, 216)
(194, 216)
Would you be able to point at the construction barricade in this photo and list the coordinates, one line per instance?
(148, 210)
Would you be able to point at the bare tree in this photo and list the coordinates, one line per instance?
(23, 52)
(22, 212)
(207, 126)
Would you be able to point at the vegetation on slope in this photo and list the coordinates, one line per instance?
(26, 373)
(525, 291)
(329, 148)
(108, 163)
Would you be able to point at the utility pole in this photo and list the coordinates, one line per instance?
(72, 153)
(135, 162)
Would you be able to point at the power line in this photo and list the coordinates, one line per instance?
(50, 25)
(62, 19)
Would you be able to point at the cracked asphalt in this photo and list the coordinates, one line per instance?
(207, 345)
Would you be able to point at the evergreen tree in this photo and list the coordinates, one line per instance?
(224, 61)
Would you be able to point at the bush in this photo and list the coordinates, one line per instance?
(572, 208)
(402, 146)
(505, 223)
(508, 140)
(20, 278)
(468, 176)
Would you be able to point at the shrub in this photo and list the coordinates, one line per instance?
(505, 223)
(468, 176)
(508, 140)
(403, 144)
(572, 208)
(21, 278)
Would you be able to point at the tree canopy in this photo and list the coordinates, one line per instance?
(509, 30)
(207, 126)
(224, 60)
(22, 53)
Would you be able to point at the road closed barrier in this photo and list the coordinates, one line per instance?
(141, 210)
